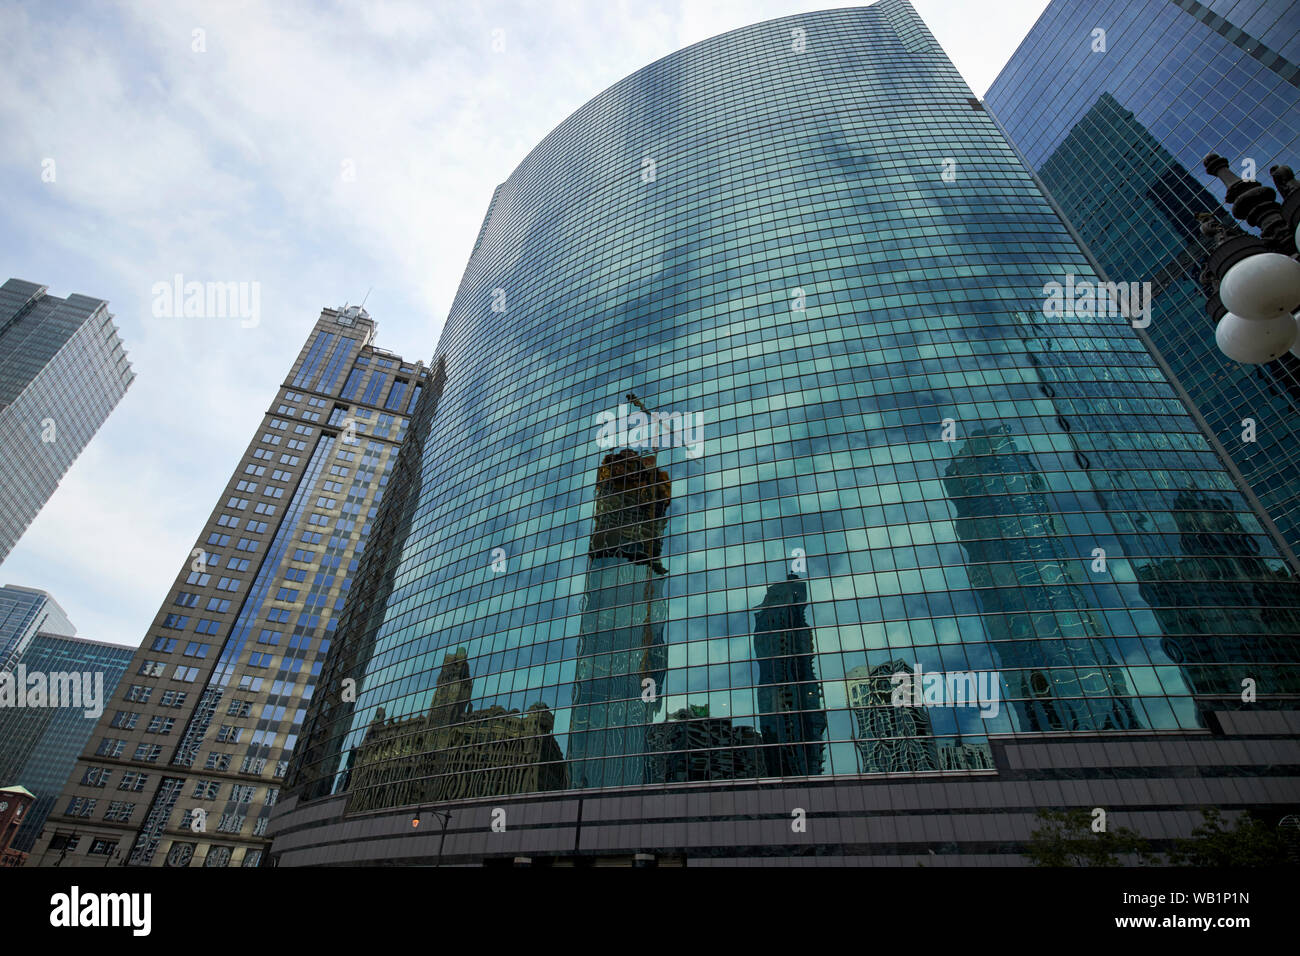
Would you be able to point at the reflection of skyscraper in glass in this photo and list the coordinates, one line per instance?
(1046, 638)
(1208, 642)
(621, 640)
(791, 719)
(692, 746)
(454, 751)
(965, 756)
(889, 739)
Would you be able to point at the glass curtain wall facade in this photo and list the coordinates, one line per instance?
(24, 613)
(40, 743)
(62, 372)
(1116, 124)
(773, 413)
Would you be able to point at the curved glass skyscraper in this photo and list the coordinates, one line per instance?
(766, 496)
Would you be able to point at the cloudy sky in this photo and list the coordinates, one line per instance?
(319, 149)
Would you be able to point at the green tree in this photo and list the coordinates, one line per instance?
(1248, 841)
(1067, 838)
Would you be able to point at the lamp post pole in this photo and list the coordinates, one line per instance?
(444, 816)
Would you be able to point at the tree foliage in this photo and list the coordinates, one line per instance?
(1247, 841)
(1066, 838)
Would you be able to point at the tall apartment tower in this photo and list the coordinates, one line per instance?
(808, 239)
(62, 371)
(189, 756)
(1114, 105)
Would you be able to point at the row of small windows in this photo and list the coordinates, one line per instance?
(266, 455)
(150, 668)
(113, 747)
(244, 544)
(119, 811)
(167, 645)
(241, 504)
(140, 693)
(232, 522)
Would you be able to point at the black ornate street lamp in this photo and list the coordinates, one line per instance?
(1253, 282)
(444, 816)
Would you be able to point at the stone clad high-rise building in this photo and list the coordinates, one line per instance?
(62, 371)
(813, 265)
(191, 752)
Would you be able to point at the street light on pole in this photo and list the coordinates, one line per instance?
(1253, 282)
(442, 815)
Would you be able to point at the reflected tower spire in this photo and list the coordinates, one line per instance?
(621, 640)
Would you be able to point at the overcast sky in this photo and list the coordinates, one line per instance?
(230, 164)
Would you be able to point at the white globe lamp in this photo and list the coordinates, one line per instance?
(1255, 341)
(1263, 286)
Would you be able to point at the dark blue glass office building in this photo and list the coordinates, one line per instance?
(1115, 104)
(752, 406)
(40, 744)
